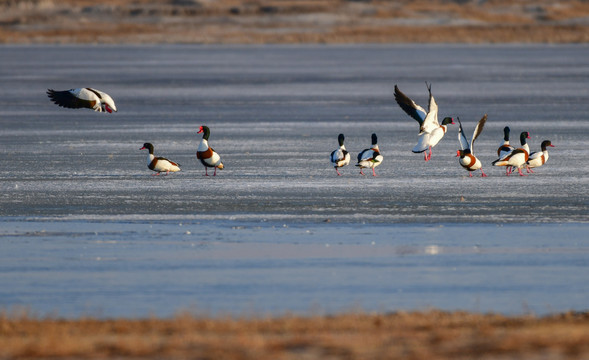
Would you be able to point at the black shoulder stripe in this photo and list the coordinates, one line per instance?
(95, 92)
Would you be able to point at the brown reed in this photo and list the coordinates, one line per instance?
(293, 21)
(404, 335)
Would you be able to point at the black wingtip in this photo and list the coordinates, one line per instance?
(397, 93)
(51, 94)
(429, 87)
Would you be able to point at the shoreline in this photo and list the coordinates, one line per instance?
(431, 334)
(293, 22)
(403, 35)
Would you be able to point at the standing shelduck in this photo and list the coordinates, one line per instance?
(207, 156)
(505, 148)
(370, 158)
(467, 158)
(159, 164)
(538, 158)
(517, 158)
(430, 131)
(83, 98)
(340, 157)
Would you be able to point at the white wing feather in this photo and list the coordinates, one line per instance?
(477, 131)
(431, 120)
(462, 137)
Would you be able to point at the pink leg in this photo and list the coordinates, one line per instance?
(470, 174)
(206, 171)
(429, 157)
(373, 172)
(337, 172)
(425, 156)
(483, 173)
(520, 172)
(215, 173)
(529, 169)
(361, 172)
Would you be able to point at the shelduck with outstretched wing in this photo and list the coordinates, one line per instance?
(83, 98)
(430, 130)
(466, 153)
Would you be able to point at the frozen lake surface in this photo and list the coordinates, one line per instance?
(86, 229)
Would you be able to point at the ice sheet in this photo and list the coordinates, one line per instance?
(87, 229)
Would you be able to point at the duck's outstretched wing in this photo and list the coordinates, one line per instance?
(410, 107)
(477, 131)
(431, 121)
(71, 99)
(462, 137)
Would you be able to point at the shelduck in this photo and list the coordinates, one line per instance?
(466, 153)
(430, 130)
(505, 148)
(370, 158)
(538, 158)
(340, 157)
(83, 98)
(517, 158)
(159, 164)
(207, 156)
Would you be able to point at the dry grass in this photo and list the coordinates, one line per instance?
(293, 21)
(431, 335)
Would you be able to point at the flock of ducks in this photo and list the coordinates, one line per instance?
(430, 134)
